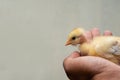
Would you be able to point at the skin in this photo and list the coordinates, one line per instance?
(79, 67)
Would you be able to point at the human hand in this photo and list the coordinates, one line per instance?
(96, 32)
(79, 67)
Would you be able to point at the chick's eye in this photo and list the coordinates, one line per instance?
(73, 38)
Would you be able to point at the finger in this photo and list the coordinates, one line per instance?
(88, 64)
(68, 59)
(88, 35)
(107, 33)
(75, 54)
(95, 32)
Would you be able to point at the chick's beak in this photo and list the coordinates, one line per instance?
(68, 43)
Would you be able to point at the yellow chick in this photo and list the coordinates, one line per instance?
(107, 47)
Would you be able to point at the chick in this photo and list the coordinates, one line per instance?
(107, 47)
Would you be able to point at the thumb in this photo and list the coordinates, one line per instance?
(75, 54)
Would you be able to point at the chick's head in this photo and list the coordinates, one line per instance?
(76, 36)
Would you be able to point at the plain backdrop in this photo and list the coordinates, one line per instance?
(33, 34)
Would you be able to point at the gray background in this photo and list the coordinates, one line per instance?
(33, 34)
